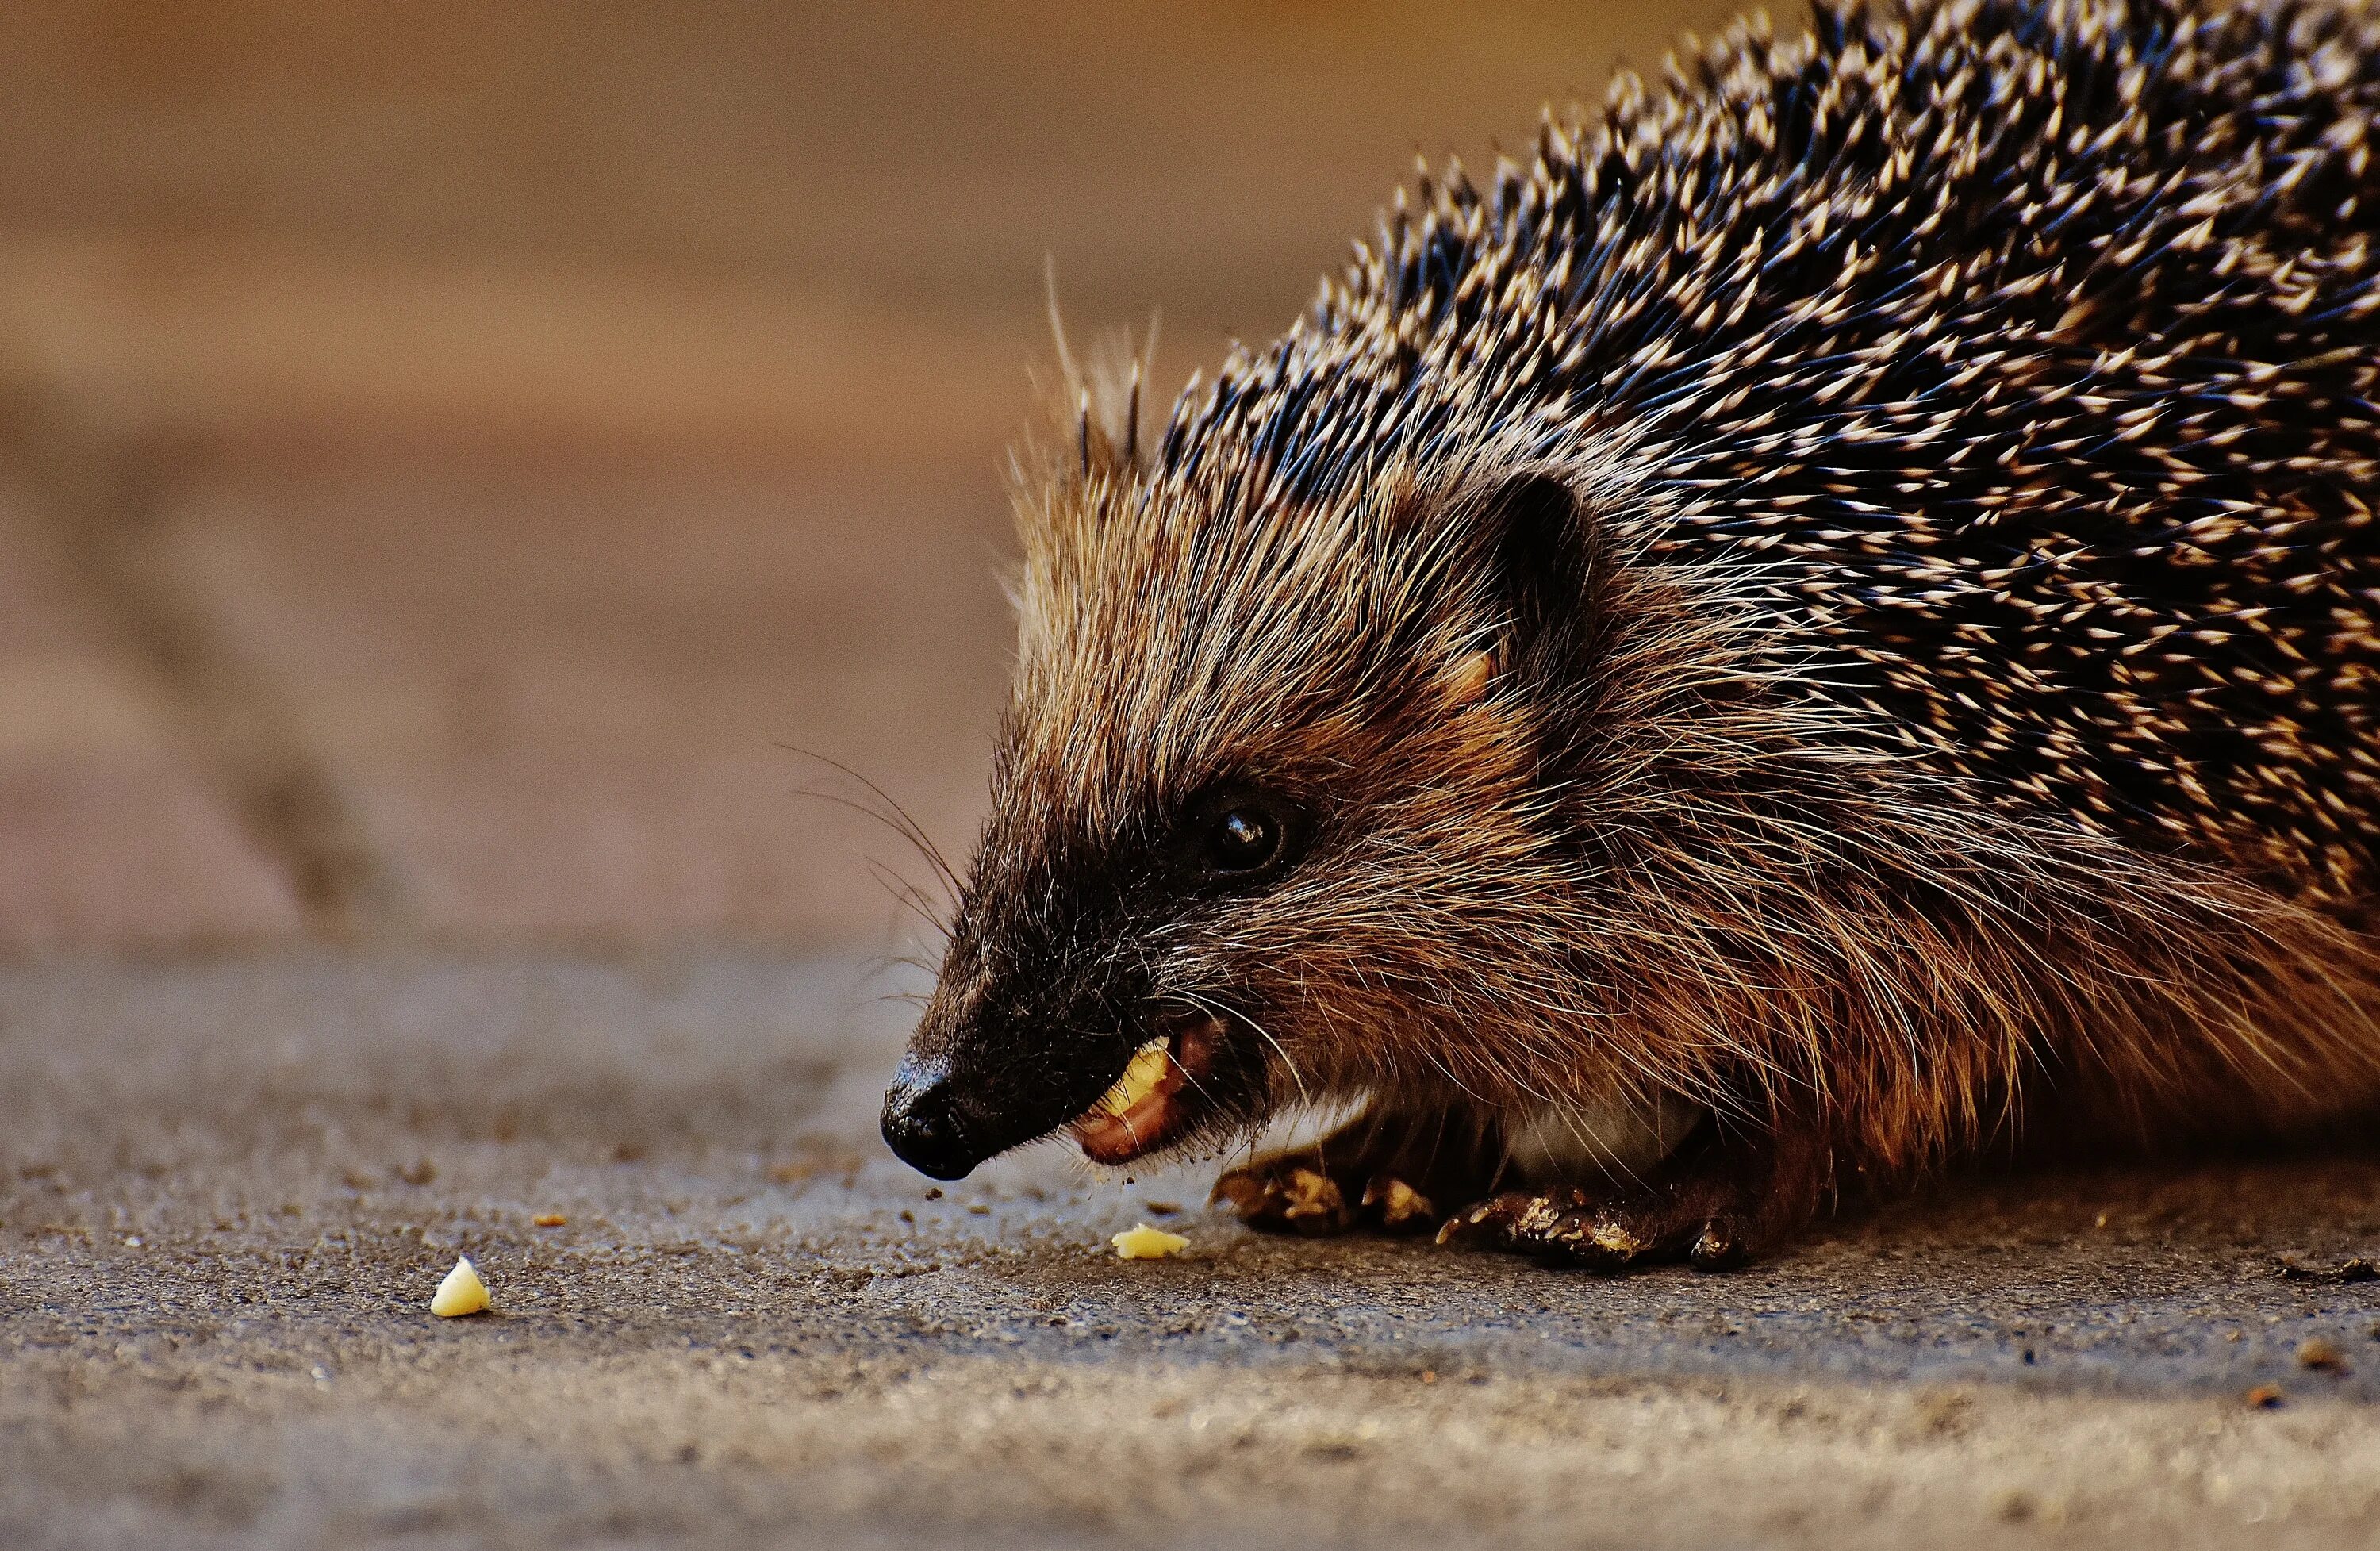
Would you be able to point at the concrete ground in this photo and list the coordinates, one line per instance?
(229, 1190)
(469, 476)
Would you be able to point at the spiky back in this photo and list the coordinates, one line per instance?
(2015, 363)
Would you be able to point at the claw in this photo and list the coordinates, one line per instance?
(1496, 1222)
(1461, 1227)
(1722, 1247)
(1241, 1188)
(1401, 1208)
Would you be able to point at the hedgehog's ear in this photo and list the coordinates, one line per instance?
(1533, 549)
(1540, 567)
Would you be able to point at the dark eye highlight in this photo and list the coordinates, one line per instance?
(1242, 839)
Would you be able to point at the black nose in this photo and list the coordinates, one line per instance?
(921, 1123)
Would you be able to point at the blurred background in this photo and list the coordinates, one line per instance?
(457, 452)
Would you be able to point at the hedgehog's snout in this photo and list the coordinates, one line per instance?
(983, 1075)
(922, 1123)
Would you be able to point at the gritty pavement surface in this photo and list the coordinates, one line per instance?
(229, 1187)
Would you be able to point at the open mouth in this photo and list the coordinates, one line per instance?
(1155, 1100)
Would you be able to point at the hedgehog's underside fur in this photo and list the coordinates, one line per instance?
(1968, 714)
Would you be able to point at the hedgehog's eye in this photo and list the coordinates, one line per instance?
(1242, 839)
(1238, 834)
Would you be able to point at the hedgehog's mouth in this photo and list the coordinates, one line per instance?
(1156, 1100)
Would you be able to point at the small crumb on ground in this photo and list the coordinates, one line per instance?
(1145, 1242)
(2264, 1397)
(2321, 1356)
(462, 1292)
(548, 1219)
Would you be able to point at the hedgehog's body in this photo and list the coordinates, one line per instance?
(1842, 599)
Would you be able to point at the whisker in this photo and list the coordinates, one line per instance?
(908, 895)
(916, 843)
(898, 818)
(885, 963)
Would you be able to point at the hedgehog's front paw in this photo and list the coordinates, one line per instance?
(1714, 1209)
(1293, 1193)
(1286, 1195)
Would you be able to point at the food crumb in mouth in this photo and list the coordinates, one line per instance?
(1139, 1078)
(1149, 1106)
(462, 1292)
(1145, 1242)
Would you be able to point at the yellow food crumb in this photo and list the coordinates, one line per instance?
(1148, 1243)
(1147, 1070)
(548, 1219)
(462, 1292)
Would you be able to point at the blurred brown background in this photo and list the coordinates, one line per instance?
(453, 449)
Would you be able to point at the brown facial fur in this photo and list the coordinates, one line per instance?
(1941, 705)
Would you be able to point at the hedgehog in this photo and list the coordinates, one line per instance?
(1820, 626)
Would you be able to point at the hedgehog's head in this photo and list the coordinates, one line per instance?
(1271, 820)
